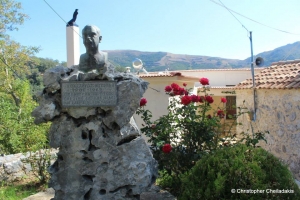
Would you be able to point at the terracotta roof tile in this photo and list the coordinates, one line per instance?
(280, 75)
(235, 69)
(221, 87)
(163, 74)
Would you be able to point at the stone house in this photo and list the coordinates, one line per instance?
(277, 102)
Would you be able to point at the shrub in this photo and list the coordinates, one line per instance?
(238, 167)
(188, 132)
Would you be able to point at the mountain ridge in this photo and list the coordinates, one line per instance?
(159, 61)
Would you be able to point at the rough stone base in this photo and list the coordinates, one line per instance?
(155, 193)
(101, 152)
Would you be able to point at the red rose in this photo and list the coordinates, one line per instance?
(184, 84)
(186, 92)
(168, 88)
(200, 99)
(194, 98)
(204, 81)
(209, 99)
(223, 100)
(208, 116)
(167, 148)
(181, 91)
(176, 91)
(175, 86)
(186, 100)
(143, 101)
(220, 113)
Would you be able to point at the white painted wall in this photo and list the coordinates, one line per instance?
(221, 77)
(73, 51)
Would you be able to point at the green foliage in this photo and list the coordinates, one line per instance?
(36, 68)
(17, 192)
(238, 167)
(10, 16)
(167, 181)
(190, 132)
(40, 161)
(18, 133)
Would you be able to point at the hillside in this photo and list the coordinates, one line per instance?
(159, 61)
(287, 52)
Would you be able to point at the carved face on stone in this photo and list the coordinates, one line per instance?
(91, 38)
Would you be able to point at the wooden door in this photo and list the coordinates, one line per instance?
(231, 107)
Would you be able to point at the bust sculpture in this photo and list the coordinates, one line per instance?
(93, 60)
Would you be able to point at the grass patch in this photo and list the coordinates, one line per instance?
(19, 191)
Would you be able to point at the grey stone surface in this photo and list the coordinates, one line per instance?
(14, 167)
(154, 193)
(101, 152)
(46, 112)
(46, 195)
(77, 112)
(53, 77)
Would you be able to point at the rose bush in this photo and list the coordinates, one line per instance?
(187, 133)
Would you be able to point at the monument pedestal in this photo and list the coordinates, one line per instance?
(101, 152)
(72, 37)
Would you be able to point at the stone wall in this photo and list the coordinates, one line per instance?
(13, 167)
(278, 111)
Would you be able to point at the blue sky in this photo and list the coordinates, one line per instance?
(194, 27)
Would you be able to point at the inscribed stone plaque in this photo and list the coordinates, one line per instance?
(88, 93)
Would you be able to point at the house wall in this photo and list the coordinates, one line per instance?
(278, 111)
(158, 100)
(221, 77)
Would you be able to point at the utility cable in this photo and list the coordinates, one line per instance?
(60, 16)
(255, 20)
(285, 57)
(234, 16)
(252, 67)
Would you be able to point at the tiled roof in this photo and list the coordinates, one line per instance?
(280, 75)
(162, 74)
(222, 87)
(179, 73)
(235, 69)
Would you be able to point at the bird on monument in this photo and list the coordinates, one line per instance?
(72, 21)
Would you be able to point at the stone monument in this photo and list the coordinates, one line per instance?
(101, 152)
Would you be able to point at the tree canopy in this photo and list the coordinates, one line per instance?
(18, 133)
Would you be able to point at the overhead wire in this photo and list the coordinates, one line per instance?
(234, 16)
(254, 20)
(3, 60)
(61, 17)
(230, 10)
